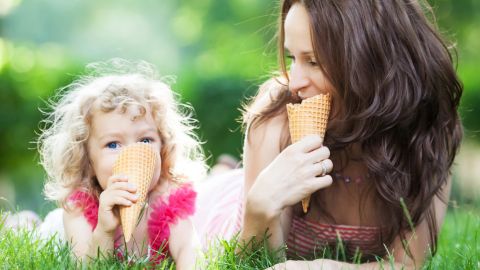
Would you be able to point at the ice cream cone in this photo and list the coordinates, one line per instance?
(309, 117)
(137, 162)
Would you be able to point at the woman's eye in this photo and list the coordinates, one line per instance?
(112, 145)
(147, 140)
(313, 63)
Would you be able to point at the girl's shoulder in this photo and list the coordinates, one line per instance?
(167, 210)
(178, 201)
(85, 202)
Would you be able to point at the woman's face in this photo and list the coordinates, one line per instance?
(306, 79)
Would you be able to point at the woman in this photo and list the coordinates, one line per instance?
(391, 139)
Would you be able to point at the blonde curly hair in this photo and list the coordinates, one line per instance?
(111, 85)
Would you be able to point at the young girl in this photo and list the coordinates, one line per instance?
(381, 180)
(121, 104)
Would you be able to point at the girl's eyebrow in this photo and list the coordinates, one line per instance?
(111, 134)
(147, 130)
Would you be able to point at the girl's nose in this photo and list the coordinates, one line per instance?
(297, 80)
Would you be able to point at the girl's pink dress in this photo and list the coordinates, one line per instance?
(166, 211)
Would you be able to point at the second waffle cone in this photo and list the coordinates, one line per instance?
(137, 162)
(309, 117)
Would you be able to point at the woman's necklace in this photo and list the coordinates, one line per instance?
(347, 179)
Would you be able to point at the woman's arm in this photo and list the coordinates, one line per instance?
(260, 148)
(275, 179)
(184, 244)
(418, 242)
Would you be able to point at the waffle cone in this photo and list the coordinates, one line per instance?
(309, 117)
(137, 162)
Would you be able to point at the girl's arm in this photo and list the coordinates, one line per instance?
(85, 243)
(418, 241)
(276, 179)
(184, 244)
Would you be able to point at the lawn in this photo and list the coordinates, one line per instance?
(459, 248)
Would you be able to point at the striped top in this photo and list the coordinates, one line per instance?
(220, 213)
(309, 240)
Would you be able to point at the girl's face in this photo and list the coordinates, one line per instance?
(112, 131)
(306, 79)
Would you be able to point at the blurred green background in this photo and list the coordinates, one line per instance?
(219, 51)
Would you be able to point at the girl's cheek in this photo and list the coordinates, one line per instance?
(158, 171)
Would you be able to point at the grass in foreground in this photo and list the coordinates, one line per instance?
(459, 248)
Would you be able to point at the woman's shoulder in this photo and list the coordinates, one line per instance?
(268, 93)
(266, 116)
(270, 129)
(271, 133)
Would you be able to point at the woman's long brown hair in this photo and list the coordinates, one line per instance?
(396, 94)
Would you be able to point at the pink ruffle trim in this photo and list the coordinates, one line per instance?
(179, 205)
(89, 204)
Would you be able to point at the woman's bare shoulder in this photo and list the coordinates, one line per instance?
(267, 93)
(263, 144)
(270, 132)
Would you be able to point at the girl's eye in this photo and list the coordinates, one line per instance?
(147, 140)
(112, 145)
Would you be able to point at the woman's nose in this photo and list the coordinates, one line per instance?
(297, 80)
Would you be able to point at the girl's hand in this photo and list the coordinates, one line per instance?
(118, 192)
(293, 175)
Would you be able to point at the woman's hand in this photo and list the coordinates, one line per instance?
(293, 175)
(307, 265)
(118, 192)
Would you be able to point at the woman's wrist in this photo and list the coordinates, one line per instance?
(261, 207)
(259, 221)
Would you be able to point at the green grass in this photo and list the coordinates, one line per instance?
(459, 243)
(459, 248)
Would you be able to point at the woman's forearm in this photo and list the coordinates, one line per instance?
(364, 266)
(332, 264)
(260, 221)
